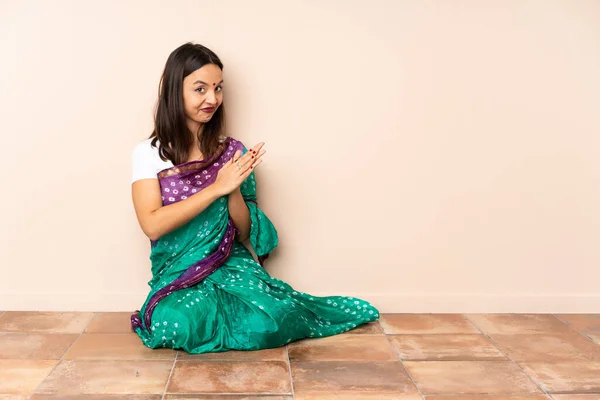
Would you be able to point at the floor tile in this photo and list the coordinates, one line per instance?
(371, 328)
(343, 348)
(470, 377)
(518, 323)
(492, 397)
(40, 346)
(446, 347)
(358, 396)
(97, 397)
(568, 346)
(110, 322)
(426, 324)
(23, 376)
(576, 377)
(349, 377)
(115, 346)
(276, 354)
(446, 355)
(224, 397)
(107, 377)
(49, 322)
(585, 323)
(259, 377)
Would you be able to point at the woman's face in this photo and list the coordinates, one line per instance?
(202, 94)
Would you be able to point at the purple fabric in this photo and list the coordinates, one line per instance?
(196, 273)
(182, 185)
(178, 183)
(136, 321)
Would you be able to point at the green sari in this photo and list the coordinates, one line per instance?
(208, 294)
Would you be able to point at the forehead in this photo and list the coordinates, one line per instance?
(209, 73)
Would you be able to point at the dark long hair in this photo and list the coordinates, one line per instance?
(169, 117)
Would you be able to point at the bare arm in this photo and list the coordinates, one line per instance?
(157, 220)
(238, 210)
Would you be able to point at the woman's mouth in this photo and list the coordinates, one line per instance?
(209, 109)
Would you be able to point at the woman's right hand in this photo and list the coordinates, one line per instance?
(233, 173)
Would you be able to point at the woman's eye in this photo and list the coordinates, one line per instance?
(199, 89)
(219, 88)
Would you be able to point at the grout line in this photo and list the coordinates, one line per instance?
(571, 326)
(380, 326)
(287, 353)
(170, 374)
(96, 314)
(404, 366)
(503, 352)
(348, 333)
(398, 355)
(59, 361)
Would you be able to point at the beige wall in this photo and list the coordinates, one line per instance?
(428, 156)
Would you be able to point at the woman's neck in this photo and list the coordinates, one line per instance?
(196, 128)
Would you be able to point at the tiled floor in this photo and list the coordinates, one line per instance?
(69, 356)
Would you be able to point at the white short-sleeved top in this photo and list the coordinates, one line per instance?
(145, 161)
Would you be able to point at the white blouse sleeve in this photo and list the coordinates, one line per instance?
(143, 164)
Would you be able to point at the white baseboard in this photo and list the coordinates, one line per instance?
(385, 302)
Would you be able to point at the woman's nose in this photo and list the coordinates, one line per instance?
(211, 98)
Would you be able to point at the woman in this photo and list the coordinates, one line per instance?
(194, 194)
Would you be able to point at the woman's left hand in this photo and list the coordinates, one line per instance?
(235, 171)
(251, 159)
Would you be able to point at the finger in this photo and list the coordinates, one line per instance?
(260, 154)
(255, 164)
(252, 155)
(247, 173)
(236, 155)
(258, 146)
(256, 149)
(230, 161)
(248, 167)
(235, 160)
(240, 159)
(245, 159)
(255, 158)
